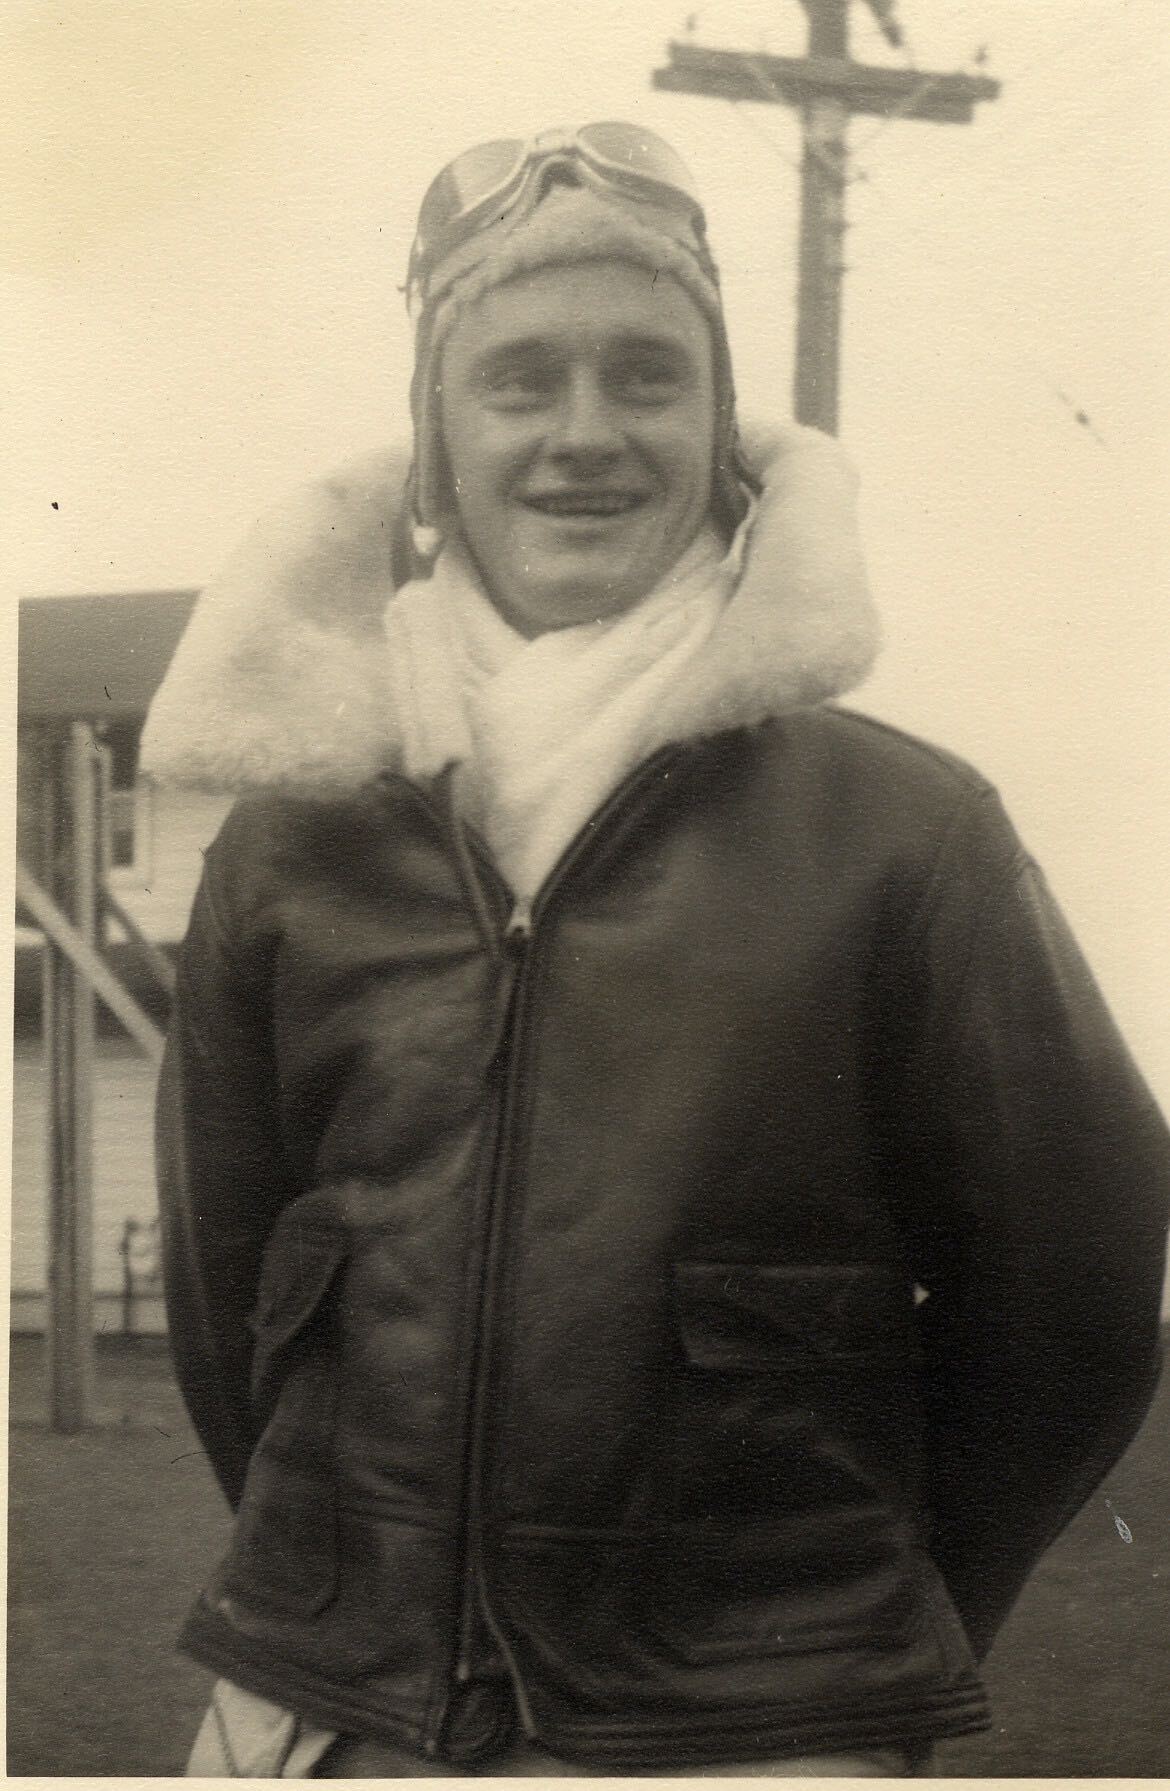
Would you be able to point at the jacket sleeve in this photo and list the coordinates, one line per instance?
(1043, 1178)
(222, 1177)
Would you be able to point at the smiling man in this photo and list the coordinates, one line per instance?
(661, 1231)
(576, 524)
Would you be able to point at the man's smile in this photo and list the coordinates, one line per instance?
(572, 501)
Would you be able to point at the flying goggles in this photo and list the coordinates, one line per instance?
(484, 185)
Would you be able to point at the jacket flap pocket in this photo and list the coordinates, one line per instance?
(749, 1315)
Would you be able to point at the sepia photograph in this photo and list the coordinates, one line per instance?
(590, 973)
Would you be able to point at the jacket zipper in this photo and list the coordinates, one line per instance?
(476, 1604)
(517, 939)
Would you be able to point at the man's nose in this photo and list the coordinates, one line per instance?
(588, 426)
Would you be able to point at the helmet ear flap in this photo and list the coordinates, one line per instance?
(414, 544)
(428, 476)
(732, 481)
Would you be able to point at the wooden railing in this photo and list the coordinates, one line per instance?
(89, 964)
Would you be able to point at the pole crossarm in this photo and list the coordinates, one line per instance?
(796, 81)
(88, 963)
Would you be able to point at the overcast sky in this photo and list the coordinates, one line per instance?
(205, 211)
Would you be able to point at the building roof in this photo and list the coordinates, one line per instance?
(96, 655)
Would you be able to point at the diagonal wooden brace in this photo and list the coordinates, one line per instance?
(88, 963)
(156, 961)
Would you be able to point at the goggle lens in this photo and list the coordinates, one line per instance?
(643, 153)
(463, 183)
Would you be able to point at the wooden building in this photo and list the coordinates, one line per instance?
(100, 659)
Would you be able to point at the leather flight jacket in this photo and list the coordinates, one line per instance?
(677, 1322)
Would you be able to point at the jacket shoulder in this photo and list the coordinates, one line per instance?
(272, 841)
(882, 796)
(255, 827)
(875, 748)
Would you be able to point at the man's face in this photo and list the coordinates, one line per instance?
(578, 419)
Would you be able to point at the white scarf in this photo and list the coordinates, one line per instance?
(541, 730)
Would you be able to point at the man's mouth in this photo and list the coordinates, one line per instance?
(583, 502)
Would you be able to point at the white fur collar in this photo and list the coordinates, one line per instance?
(280, 677)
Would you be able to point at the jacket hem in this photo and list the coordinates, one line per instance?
(770, 1733)
(305, 1693)
(754, 1732)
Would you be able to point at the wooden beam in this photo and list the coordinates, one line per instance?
(69, 797)
(89, 963)
(795, 81)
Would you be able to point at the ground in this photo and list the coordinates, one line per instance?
(111, 1531)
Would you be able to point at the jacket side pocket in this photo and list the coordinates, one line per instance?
(792, 1386)
(787, 1466)
(283, 1555)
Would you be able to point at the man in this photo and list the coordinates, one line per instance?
(661, 1230)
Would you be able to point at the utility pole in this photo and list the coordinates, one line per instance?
(826, 87)
(821, 263)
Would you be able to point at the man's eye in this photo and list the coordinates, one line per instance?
(518, 384)
(650, 380)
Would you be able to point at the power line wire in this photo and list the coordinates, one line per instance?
(748, 117)
(912, 99)
(991, 139)
(769, 93)
(1034, 160)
